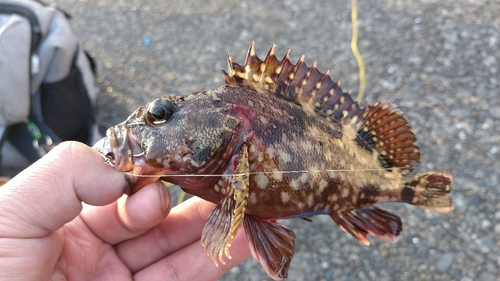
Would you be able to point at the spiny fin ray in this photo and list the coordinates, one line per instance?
(295, 82)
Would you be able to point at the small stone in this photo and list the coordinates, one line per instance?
(485, 223)
(462, 135)
(474, 200)
(495, 111)
(236, 270)
(329, 274)
(494, 150)
(444, 262)
(489, 244)
(486, 276)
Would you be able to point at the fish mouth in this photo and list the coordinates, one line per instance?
(120, 148)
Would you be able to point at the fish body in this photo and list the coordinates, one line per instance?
(279, 140)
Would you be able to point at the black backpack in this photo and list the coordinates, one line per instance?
(47, 83)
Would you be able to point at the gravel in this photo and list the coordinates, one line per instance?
(437, 60)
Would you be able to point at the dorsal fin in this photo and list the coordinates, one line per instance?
(381, 126)
(295, 82)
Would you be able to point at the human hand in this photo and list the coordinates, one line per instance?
(46, 233)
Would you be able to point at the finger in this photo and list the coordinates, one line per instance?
(182, 227)
(192, 263)
(129, 216)
(39, 255)
(48, 194)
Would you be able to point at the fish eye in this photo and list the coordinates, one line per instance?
(159, 111)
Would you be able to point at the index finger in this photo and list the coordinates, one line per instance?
(48, 194)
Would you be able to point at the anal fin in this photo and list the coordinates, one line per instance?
(377, 222)
(272, 244)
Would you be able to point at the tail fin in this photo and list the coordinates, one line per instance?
(429, 190)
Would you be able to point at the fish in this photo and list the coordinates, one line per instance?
(278, 141)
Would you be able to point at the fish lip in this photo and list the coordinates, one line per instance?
(120, 148)
(103, 146)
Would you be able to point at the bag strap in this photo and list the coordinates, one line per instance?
(36, 31)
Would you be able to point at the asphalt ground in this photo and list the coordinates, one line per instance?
(437, 60)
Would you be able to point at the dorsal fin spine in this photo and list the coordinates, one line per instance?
(283, 68)
(250, 54)
(269, 66)
(315, 90)
(303, 82)
(292, 74)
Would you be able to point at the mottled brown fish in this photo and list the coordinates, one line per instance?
(279, 140)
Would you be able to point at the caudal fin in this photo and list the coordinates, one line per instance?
(429, 191)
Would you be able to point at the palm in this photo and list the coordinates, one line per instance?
(85, 256)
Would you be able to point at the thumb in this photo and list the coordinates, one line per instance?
(48, 194)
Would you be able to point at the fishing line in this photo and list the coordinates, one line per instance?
(258, 173)
(356, 53)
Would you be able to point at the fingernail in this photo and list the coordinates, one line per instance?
(165, 202)
(128, 182)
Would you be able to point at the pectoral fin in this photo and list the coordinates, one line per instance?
(272, 244)
(216, 233)
(226, 218)
(377, 222)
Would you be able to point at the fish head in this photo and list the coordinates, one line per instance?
(171, 136)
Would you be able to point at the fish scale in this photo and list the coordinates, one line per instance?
(290, 144)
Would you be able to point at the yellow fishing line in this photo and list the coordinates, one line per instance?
(355, 51)
(181, 197)
(166, 183)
